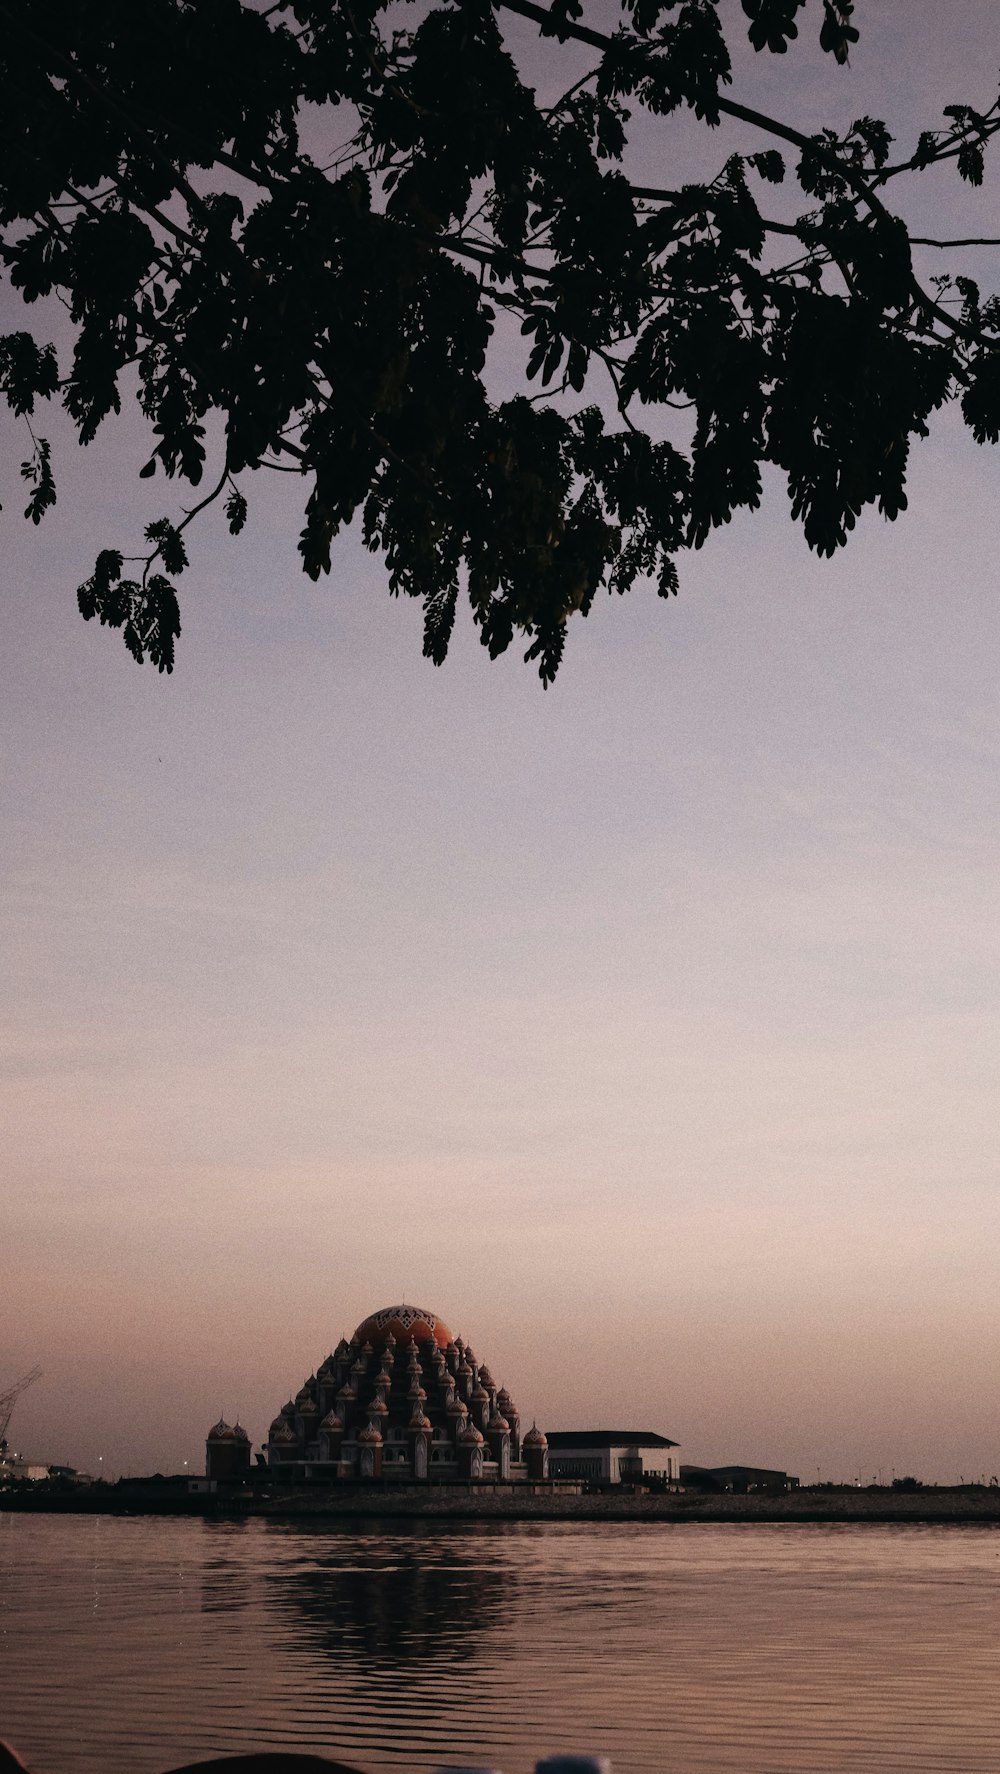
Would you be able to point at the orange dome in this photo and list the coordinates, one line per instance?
(401, 1323)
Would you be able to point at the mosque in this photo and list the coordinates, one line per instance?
(403, 1399)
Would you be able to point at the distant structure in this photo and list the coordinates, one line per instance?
(742, 1479)
(611, 1456)
(401, 1400)
(21, 1469)
(227, 1451)
(8, 1400)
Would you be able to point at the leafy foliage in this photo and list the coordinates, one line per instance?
(337, 310)
(37, 471)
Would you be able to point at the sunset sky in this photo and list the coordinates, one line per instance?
(645, 1029)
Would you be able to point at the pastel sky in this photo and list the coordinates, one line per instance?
(645, 1029)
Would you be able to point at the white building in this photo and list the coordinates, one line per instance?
(610, 1456)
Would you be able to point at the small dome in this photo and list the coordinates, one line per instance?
(480, 1395)
(347, 1393)
(220, 1431)
(498, 1425)
(279, 1423)
(534, 1438)
(308, 1408)
(419, 1421)
(332, 1422)
(239, 1432)
(286, 1433)
(371, 1436)
(288, 1410)
(469, 1436)
(378, 1408)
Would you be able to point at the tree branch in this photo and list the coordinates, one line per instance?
(974, 240)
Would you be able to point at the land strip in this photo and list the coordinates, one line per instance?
(820, 1504)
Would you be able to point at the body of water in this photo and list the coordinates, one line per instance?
(139, 1643)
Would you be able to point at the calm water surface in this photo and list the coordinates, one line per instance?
(139, 1643)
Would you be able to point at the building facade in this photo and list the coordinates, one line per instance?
(611, 1456)
(404, 1400)
(227, 1451)
(743, 1479)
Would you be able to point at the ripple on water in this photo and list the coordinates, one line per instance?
(145, 1642)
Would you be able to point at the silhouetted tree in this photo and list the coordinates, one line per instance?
(334, 306)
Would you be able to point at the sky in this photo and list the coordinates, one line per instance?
(644, 1029)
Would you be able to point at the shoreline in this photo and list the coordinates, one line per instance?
(846, 1505)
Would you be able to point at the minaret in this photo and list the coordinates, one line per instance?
(331, 1436)
(498, 1436)
(536, 1454)
(470, 1452)
(370, 1450)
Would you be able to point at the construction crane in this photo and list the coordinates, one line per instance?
(9, 1399)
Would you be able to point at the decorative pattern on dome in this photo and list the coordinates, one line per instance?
(407, 1315)
(403, 1322)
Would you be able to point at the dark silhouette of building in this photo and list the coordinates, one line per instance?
(227, 1451)
(404, 1400)
(736, 1478)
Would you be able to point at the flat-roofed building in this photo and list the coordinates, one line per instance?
(737, 1478)
(610, 1456)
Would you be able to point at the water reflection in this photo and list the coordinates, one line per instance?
(386, 1600)
(140, 1644)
